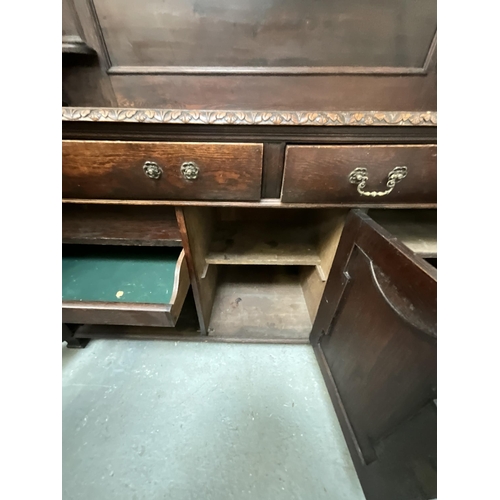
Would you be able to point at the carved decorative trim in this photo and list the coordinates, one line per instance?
(213, 117)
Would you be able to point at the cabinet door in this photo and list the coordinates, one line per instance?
(375, 339)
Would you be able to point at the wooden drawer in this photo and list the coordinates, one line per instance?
(115, 170)
(105, 285)
(321, 174)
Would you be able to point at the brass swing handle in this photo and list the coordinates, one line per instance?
(189, 170)
(359, 176)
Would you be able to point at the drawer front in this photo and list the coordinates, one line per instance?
(178, 171)
(321, 174)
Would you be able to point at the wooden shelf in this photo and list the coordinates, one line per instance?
(264, 243)
(417, 229)
(260, 302)
(115, 225)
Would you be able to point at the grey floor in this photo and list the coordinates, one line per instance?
(187, 420)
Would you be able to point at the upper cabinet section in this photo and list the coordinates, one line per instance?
(268, 36)
(340, 55)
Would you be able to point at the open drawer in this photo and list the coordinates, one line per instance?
(119, 285)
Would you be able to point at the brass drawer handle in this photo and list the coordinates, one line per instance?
(189, 170)
(152, 169)
(359, 176)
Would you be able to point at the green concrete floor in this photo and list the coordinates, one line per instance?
(191, 420)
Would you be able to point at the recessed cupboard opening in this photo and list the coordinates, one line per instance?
(260, 301)
(417, 229)
(261, 273)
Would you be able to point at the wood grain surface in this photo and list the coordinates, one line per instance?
(114, 169)
(320, 174)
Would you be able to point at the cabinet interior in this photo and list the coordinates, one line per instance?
(417, 229)
(262, 272)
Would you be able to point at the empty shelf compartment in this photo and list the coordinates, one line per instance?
(260, 302)
(266, 243)
(417, 229)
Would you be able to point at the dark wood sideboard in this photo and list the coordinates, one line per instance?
(264, 172)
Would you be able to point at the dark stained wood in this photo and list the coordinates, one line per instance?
(158, 333)
(375, 335)
(72, 32)
(262, 204)
(141, 131)
(417, 434)
(343, 55)
(288, 93)
(120, 225)
(320, 174)
(186, 327)
(273, 36)
(101, 169)
(272, 173)
(84, 76)
(70, 24)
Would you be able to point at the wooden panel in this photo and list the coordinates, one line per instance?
(330, 225)
(259, 303)
(180, 288)
(267, 34)
(376, 327)
(70, 24)
(84, 77)
(264, 242)
(320, 174)
(287, 93)
(261, 204)
(196, 225)
(417, 229)
(102, 169)
(120, 225)
(272, 175)
(264, 55)
(186, 327)
(123, 288)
